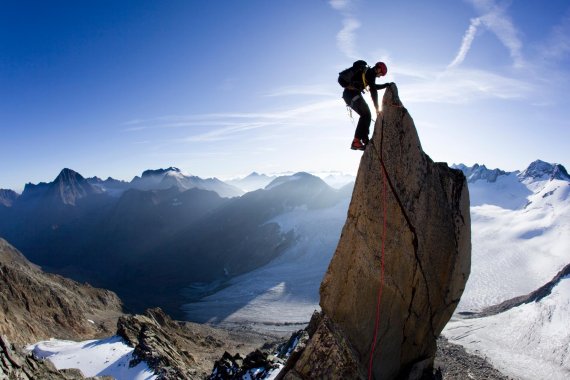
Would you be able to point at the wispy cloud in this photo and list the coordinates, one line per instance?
(339, 4)
(346, 37)
(224, 133)
(494, 17)
(466, 43)
(225, 126)
(461, 86)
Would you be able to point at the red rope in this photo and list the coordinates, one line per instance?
(379, 300)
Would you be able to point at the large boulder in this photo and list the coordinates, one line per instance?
(401, 264)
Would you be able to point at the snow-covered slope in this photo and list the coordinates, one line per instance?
(530, 341)
(520, 234)
(285, 291)
(105, 357)
(520, 226)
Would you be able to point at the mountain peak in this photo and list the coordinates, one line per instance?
(479, 172)
(539, 169)
(254, 175)
(154, 172)
(69, 186)
(299, 176)
(68, 174)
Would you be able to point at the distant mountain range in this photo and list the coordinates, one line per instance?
(259, 257)
(145, 237)
(537, 170)
(149, 238)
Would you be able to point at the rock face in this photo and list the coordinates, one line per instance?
(152, 335)
(35, 305)
(416, 212)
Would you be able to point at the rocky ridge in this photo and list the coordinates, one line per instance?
(35, 305)
(534, 296)
(480, 172)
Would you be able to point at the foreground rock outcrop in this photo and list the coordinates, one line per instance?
(35, 305)
(407, 243)
(177, 350)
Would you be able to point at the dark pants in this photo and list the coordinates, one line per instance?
(355, 101)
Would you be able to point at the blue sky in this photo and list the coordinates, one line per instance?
(223, 88)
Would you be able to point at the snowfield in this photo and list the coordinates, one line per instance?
(105, 357)
(521, 239)
(530, 342)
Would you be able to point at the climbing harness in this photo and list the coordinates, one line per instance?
(364, 80)
(349, 108)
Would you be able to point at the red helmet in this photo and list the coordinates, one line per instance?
(382, 67)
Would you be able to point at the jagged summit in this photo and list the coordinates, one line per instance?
(173, 177)
(536, 171)
(479, 172)
(66, 175)
(70, 186)
(539, 169)
(67, 188)
(160, 172)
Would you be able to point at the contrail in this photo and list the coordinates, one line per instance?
(466, 43)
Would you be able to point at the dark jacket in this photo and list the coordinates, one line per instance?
(357, 85)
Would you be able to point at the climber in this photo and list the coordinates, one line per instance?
(355, 80)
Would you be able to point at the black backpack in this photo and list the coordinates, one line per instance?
(352, 75)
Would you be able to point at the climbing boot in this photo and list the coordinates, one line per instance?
(357, 145)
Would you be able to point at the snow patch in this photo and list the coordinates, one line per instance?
(105, 357)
